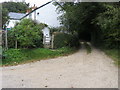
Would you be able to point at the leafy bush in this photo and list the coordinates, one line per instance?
(63, 40)
(74, 41)
(27, 34)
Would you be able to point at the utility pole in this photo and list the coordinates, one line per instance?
(16, 44)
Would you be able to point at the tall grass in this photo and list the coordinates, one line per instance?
(114, 54)
(19, 56)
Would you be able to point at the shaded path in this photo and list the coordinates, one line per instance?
(79, 70)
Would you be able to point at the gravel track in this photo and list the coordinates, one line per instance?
(79, 70)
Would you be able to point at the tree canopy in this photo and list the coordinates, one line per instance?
(18, 7)
(96, 22)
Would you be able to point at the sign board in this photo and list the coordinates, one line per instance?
(8, 28)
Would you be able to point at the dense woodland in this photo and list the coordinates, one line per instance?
(95, 22)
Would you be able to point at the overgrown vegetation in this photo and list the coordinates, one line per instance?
(19, 56)
(20, 7)
(26, 38)
(58, 29)
(95, 22)
(114, 54)
(88, 48)
(27, 34)
(63, 39)
(109, 26)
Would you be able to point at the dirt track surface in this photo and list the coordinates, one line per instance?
(79, 70)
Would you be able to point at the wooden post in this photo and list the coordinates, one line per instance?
(44, 41)
(15, 44)
(52, 42)
(0, 37)
(6, 40)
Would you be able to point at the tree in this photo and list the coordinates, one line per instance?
(109, 24)
(78, 17)
(4, 16)
(18, 7)
(27, 35)
(96, 21)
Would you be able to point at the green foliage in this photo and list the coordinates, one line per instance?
(74, 41)
(53, 29)
(108, 22)
(18, 56)
(19, 7)
(98, 22)
(114, 54)
(78, 17)
(27, 33)
(4, 16)
(57, 29)
(63, 40)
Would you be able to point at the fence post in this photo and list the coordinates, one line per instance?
(52, 42)
(6, 40)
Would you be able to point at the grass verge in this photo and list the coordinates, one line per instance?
(20, 56)
(114, 54)
(88, 48)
